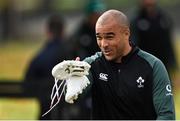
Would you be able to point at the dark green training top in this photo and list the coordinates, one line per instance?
(137, 88)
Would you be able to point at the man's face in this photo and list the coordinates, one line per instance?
(112, 40)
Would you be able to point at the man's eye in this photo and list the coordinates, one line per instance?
(98, 37)
(109, 37)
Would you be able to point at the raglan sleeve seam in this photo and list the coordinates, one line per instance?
(162, 94)
(92, 58)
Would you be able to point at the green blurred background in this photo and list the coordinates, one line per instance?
(26, 34)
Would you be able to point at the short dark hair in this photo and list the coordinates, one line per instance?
(55, 24)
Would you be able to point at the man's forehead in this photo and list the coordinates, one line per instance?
(106, 28)
(107, 22)
(104, 21)
(109, 28)
(108, 33)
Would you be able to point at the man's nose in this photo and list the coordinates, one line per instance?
(104, 43)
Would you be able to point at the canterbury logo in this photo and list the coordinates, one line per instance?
(103, 76)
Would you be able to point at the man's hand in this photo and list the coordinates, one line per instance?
(69, 68)
(74, 73)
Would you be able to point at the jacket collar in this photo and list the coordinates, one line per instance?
(127, 57)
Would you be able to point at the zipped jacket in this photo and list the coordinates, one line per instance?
(137, 88)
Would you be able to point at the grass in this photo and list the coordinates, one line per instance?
(15, 57)
(11, 109)
(177, 80)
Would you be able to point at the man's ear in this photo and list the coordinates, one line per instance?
(127, 33)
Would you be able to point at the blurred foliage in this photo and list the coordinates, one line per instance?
(77, 5)
(20, 5)
(62, 5)
(118, 4)
(168, 2)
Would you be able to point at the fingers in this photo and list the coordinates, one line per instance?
(77, 58)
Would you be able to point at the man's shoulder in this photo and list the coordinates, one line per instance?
(94, 58)
(149, 58)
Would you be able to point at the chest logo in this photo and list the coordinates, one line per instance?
(140, 82)
(103, 76)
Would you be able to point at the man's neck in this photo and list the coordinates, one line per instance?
(126, 52)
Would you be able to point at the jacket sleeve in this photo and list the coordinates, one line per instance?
(90, 60)
(162, 93)
(93, 57)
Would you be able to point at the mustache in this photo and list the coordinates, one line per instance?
(105, 49)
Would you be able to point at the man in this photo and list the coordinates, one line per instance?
(152, 31)
(127, 83)
(38, 79)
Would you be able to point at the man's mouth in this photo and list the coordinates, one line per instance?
(107, 52)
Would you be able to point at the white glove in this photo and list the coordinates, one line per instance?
(75, 86)
(73, 75)
(70, 68)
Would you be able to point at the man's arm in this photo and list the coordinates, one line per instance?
(93, 57)
(162, 93)
(90, 60)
